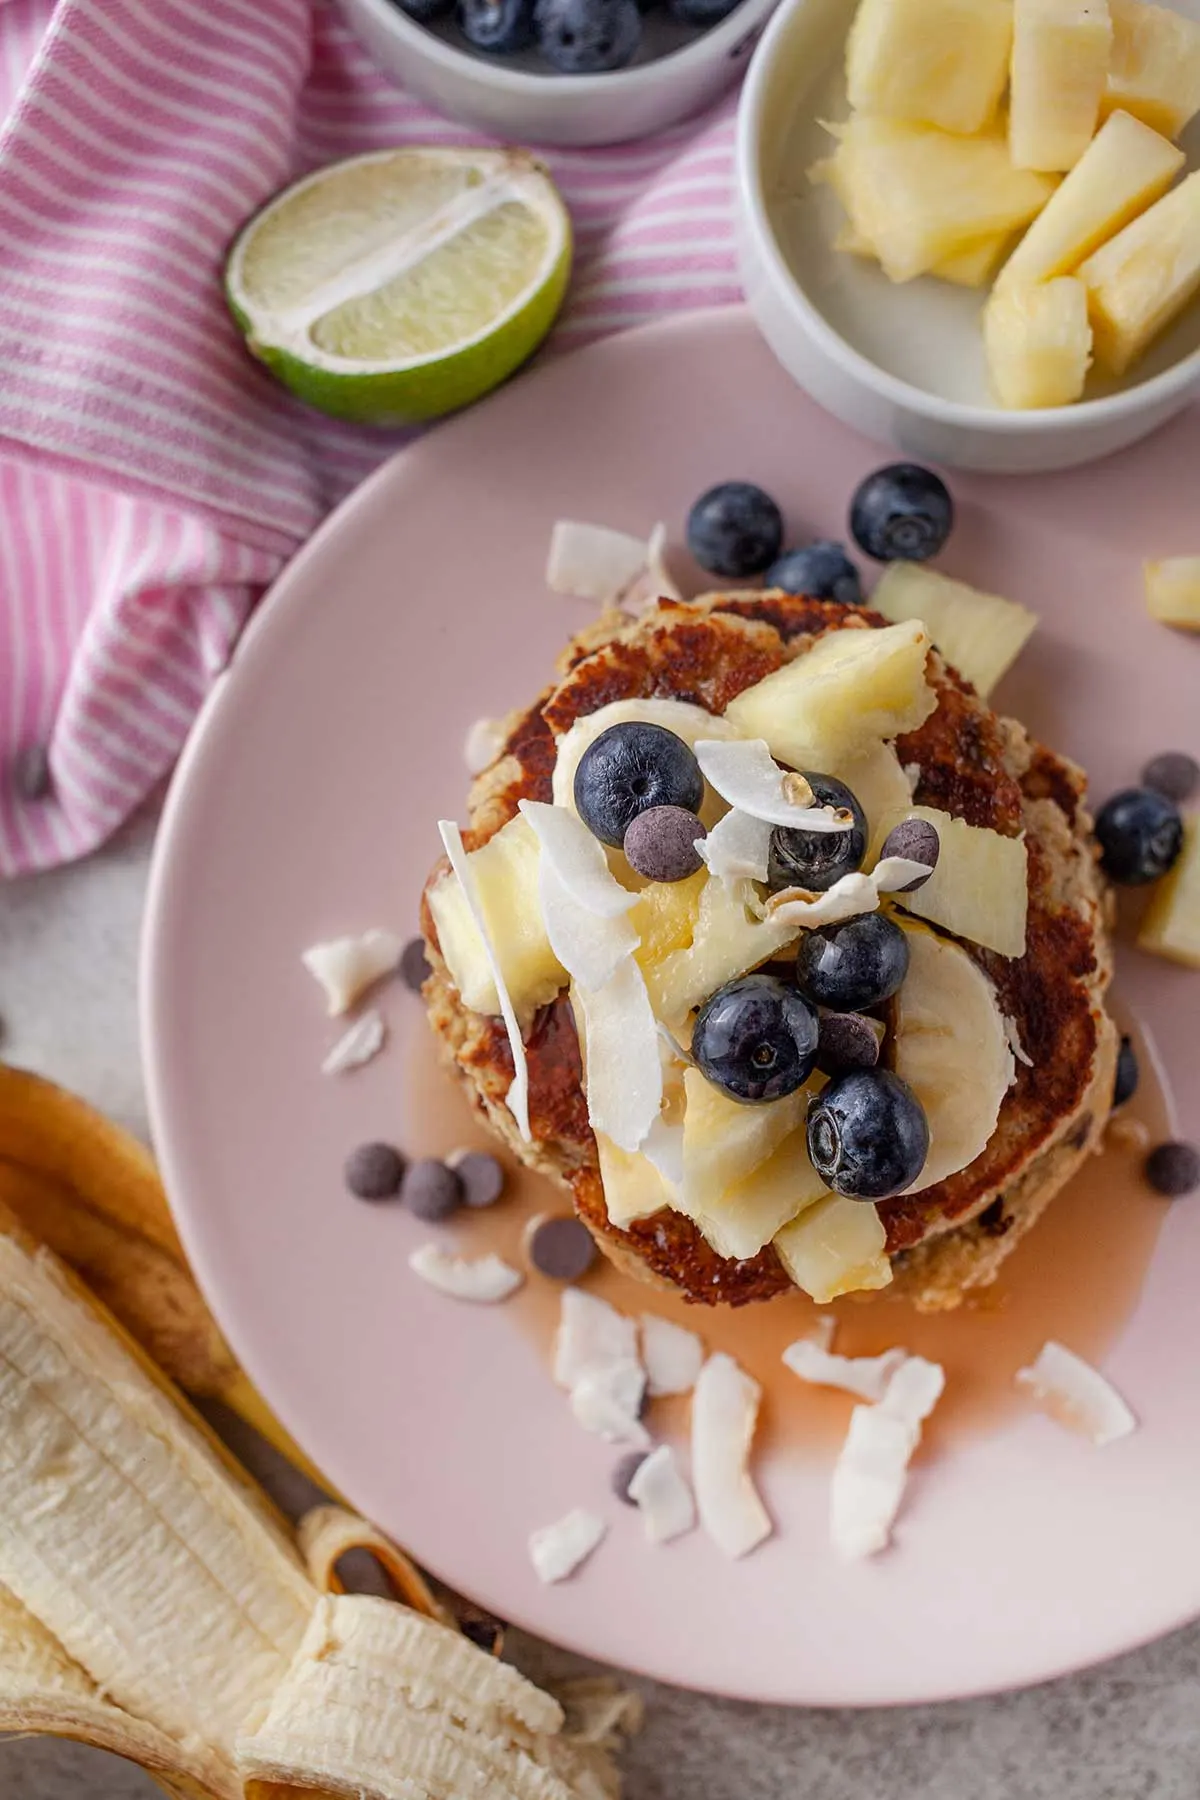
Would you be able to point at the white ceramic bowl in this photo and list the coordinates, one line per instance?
(904, 364)
(678, 72)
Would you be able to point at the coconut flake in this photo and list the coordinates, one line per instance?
(364, 1040)
(577, 859)
(914, 1390)
(872, 1468)
(591, 950)
(655, 582)
(486, 1278)
(724, 1415)
(518, 1093)
(607, 1401)
(866, 1376)
(849, 896)
(673, 1356)
(592, 562)
(557, 1550)
(482, 745)
(744, 772)
(591, 1335)
(1013, 1039)
(1077, 1395)
(624, 1076)
(662, 1496)
(894, 873)
(738, 848)
(663, 1147)
(346, 967)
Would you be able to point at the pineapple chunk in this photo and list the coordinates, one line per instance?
(1059, 69)
(727, 941)
(980, 888)
(1038, 343)
(878, 783)
(981, 634)
(1171, 923)
(1173, 592)
(506, 880)
(664, 916)
(837, 700)
(836, 1247)
(936, 62)
(744, 1176)
(1144, 277)
(1124, 169)
(1154, 71)
(633, 1187)
(920, 195)
(975, 266)
(752, 1211)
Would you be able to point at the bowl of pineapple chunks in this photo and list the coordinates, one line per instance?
(972, 227)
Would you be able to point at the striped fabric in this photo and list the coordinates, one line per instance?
(152, 480)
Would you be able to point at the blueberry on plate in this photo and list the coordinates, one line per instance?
(701, 13)
(501, 27)
(425, 10)
(627, 770)
(1125, 1085)
(756, 1039)
(816, 859)
(853, 965)
(902, 513)
(867, 1134)
(735, 529)
(822, 570)
(586, 37)
(1140, 834)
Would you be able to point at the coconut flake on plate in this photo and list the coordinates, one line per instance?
(743, 771)
(593, 562)
(1077, 1395)
(590, 949)
(363, 1041)
(591, 1334)
(724, 1416)
(486, 1279)
(673, 1356)
(347, 966)
(482, 745)
(607, 1401)
(738, 848)
(577, 858)
(518, 1094)
(557, 1550)
(866, 1376)
(872, 1468)
(624, 1075)
(661, 1494)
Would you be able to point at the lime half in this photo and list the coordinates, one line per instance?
(398, 286)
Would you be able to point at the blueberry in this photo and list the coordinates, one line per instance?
(816, 859)
(424, 10)
(1173, 1169)
(756, 1039)
(585, 37)
(822, 570)
(501, 27)
(867, 1134)
(701, 13)
(903, 513)
(735, 529)
(1126, 1083)
(627, 770)
(1174, 774)
(1140, 835)
(852, 965)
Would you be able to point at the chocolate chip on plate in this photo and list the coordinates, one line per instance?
(374, 1171)
(1173, 1169)
(414, 965)
(847, 1041)
(624, 1473)
(481, 1176)
(430, 1190)
(917, 840)
(1175, 775)
(661, 843)
(560, 1247)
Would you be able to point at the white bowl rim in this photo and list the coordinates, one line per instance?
(723, 36)
(1050, 420)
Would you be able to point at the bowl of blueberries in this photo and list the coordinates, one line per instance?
(570, 72)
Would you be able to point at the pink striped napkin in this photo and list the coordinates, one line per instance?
(152, 480)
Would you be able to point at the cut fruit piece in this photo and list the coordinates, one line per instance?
(1059, 69)
(1124, 169)
(975, 266)
(835, 1247)
(1173, 592)
(840, 698)
(980, 634)
(1154, 71)
(749, 1213)
(401, 285)
(664, 917)
(936, 62)
(878, 782)
(727, 941)
(1144, 277)
(505, 871)
(980, 888)
(950, 1043)
(724, 1141)
(919, 195)
(1171, 924)
(633, 1187)
(1038, 343)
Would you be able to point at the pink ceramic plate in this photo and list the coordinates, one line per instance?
(305, 808)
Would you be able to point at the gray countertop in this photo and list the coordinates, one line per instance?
(1129, 1731)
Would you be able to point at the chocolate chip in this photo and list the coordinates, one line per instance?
(31, 776)
(561, 1247)
(1174, 1169)
(374, 1171)
(1175, 775)
(847, 1041)
(481, 1176)
(917, 840)
(483, 1631)
(430, 1190)
(993, 1219)
(624, 1473)
(1125, 1085)
(661, 843)
(414, 965)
